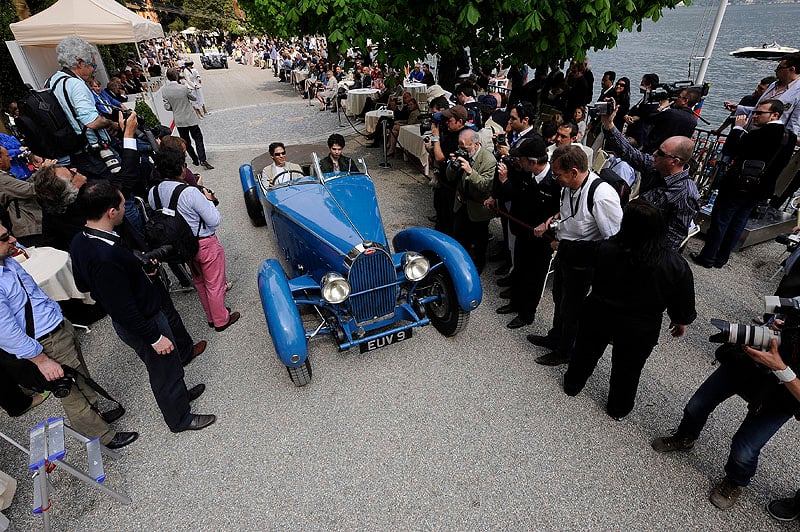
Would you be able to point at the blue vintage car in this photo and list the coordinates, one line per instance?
(341, 277)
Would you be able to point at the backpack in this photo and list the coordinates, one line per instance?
(44, 124)
(607, 175)
(474, 115)
(168, 227)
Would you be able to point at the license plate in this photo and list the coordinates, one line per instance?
(383, 341)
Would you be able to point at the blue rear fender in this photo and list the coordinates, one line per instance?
(463, 273)
(246, 177)
(280, 311)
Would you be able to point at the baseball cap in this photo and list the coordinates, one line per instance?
(459, 112)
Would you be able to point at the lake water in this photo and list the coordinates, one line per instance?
(664, 47)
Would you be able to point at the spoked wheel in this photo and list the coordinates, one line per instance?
(300, 375)
(445, 314)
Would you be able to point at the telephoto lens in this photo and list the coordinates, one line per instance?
(111, 160)
(736, 333)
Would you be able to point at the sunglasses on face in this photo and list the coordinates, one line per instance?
(761, 112)
(279, 154)
(662, 153)
(5, 236)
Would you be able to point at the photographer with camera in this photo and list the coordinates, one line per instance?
(18, 196)
(678, 120)
(758, 156)
(636, 117)
(471, 171)
(589, 211)
(764, 376)
(197, 206)
(141, 310)
(441, 145)
(665, 182)
(37, 345)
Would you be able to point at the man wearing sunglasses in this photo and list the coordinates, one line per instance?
(665, 177)
(765, 149)
(280, 171)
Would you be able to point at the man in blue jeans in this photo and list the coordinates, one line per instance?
(773, 393)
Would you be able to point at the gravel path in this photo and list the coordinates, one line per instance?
(465, 433)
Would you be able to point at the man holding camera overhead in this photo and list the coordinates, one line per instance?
(36, 339)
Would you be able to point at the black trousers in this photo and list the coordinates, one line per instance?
(12, 399)
(166, 371)
(531, 262)
(188, 133)
(632, 347)
(443, 198)
(474, 236)
(571, 284)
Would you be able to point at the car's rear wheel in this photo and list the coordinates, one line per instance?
(445, 314)
(300, 375)
(255, 211)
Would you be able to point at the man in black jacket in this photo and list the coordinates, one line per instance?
(770, 145)
(536, 196)
(139, 305)
(677, 121)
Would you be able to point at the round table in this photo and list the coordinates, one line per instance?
(298, 76)
(419, 91)
(372, 117)
(356, 99)
(52, 270)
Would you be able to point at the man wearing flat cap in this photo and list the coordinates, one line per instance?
(536, 194)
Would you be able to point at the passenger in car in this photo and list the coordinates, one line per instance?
(335, 162)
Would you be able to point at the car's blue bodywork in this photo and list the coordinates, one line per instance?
(333, 224)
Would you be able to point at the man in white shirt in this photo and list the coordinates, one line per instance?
(590, 211)
(280, 171)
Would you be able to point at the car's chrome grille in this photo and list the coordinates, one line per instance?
(371, 270)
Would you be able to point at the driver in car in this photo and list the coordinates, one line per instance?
(280, 171)
(335, 161)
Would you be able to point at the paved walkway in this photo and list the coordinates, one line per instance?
(432, 434)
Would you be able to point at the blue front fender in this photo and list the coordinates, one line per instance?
(252, 195)
(283, 318)
(459, 265)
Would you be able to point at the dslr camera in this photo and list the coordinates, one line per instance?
(759, 336)
(62, 387)
(461, 152)
(789, 240)
(159, 254)
(426, 120)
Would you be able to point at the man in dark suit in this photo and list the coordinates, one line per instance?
(139, 305)
(768, 142)
(677, 121)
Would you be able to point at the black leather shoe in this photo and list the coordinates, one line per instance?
(113, 415)
(121, 439)
(506, 309)
(196, 391)
(553, 358)
(505, 294)
(503, 270)
(542, 341)
(504, 281)
(699, 261)
(206, 165)
(519, 321)
(199, 422)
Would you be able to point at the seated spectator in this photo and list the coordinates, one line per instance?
(103, 101)
(116, 91)
(196, 205)
(427, 77)
(329, 94)
(412, 117)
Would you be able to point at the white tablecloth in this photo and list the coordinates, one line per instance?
(298, 76)
(419, 91)
(52, 270)
(372, 117)
(356, 99)
(411, 141)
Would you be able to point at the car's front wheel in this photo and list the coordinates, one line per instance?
(300, 375)
(444, 312)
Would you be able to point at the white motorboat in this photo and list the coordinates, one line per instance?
(765, 51)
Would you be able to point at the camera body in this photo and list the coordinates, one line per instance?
(159, 254)
(62, 387)
(461, 152)
(789, 240)
(600, 108)
(426, 120)
(500, 139)
(670, 91)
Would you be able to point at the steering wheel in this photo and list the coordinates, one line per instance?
(290, 172)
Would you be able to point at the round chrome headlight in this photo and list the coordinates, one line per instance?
(335, 288)
(415, 266)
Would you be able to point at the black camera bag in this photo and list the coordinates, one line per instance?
(170, 228)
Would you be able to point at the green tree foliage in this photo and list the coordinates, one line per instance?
(517, 31)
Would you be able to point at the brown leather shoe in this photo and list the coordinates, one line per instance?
(233, 317)
(198, 422)
(197, 350)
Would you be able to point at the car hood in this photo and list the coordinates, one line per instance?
(343, 213)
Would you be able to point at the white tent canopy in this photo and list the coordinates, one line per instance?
(96, 21)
